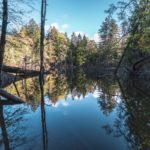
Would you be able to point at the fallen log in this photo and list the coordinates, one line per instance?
(7, 102)
(7, 79)
(10, 97)
(11, 69)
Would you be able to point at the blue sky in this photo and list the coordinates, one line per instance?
(83, 16)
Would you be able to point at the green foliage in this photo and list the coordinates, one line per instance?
(80, 50)
(135, 19)
(80, 55)
(22, 48)
(109, 35)
(59, 45)
(139, 40)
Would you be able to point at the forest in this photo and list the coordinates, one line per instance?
(123, 44)
(37, 63)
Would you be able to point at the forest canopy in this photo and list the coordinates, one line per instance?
(123, 39)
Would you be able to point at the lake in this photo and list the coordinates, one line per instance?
(77, 112)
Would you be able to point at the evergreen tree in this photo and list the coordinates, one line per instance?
(109, 35)
(59, 45)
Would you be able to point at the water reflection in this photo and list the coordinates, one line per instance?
(75, 110)
(43, 115)
(136, 115)
(12, 126)
(3, 127)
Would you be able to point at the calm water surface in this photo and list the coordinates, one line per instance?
(78, 113)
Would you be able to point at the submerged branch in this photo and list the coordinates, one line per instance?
(10, 97)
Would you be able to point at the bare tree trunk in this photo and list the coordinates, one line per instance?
(3, 35)
(43, 117)
(43, 16)
(43, 113)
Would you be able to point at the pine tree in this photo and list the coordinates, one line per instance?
(109, 35)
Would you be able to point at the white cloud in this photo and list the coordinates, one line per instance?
(65, 104)
(60, 27)
(81, 33)
(96, 94)
(96, 38)
(65, 26)
(47, 27)
(56, 25)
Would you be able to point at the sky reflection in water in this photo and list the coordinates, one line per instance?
(83, 114)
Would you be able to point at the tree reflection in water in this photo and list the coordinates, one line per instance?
(133, 121)
(3, 127)
(12, 127)
(109, 95)
(130, 105)
(43, 115)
